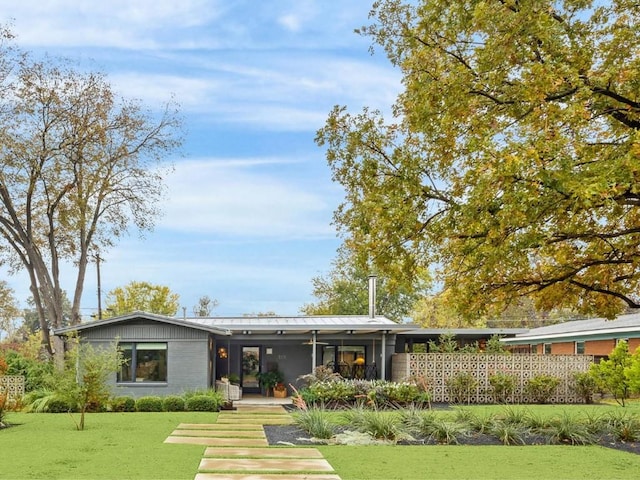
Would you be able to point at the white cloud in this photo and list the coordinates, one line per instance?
(232, 199)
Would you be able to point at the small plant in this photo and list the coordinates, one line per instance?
(585, 386)
(173, 403)
(514, 416)
(482, 422)
(321, 373)
(623, 426)
(149, 404)
(269, 379)
(569, 429)
(444, 431)
(461, 387)
(383, 426)
(542, 387)
(234, 378)
(508, 433)
(123, 404)
(502, 385)
(315, 422)
(4, 400)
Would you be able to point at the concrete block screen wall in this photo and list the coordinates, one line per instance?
(437, 368)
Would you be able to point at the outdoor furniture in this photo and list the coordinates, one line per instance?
(230, 391)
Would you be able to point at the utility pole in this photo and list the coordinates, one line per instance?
(97, 257)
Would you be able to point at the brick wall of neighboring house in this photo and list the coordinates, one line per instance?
(563, 348)
(599, 347)
(633, 344)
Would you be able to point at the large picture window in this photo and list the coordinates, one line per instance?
(143, 362)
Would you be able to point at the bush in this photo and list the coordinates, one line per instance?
(461, 386)
(149, 404)
(59, 405)
(502, 385)
(315, 422)
(585, 386)
(542, 387)
(173, 403)
(123, 404)
(203, 403)
(35, 372)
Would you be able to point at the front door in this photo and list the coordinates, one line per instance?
(250, 369)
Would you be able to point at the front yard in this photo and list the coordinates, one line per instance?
(130, 446)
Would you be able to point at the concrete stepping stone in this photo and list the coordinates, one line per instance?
(266, 464)
(219, 433)
(269, 452)
(217, 426)
(219, 441)
(265, 476)
(252, 419)
(268, 410)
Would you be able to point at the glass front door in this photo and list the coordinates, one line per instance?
(250, 369)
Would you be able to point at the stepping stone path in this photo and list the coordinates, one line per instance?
(237, 448)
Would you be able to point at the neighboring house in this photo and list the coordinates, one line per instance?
(596, 336)
(167, 355)
(408, 340)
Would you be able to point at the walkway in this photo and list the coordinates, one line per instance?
(237, 448)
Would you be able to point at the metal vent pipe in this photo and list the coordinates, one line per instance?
(372, 296)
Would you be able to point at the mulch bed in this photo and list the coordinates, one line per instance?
(279, 435)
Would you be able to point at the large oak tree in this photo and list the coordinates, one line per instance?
(78, 167)
(512, 164)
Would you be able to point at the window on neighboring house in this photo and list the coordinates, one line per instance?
(579, 348)
(534, 348)
(547, 349)
(143, 362)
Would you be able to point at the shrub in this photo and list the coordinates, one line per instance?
(514, 416)
(3, 406)
(585, 386)
(382, 425)
(461, 386)
(444, 431)
(123, 404)
(624, 426)
(315, 422)
(502, 385)
(149, 404)
(569, 429)
(59, 405)
(508, 433)
(542, 387)
(35, 372)
(203, 403)
(173, 403)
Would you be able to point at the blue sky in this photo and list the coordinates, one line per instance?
(248, 216)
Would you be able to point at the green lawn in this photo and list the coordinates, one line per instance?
(130, 446)
(112, 446)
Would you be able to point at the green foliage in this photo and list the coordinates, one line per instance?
(461, 387)
(624, 426)
(123, 404)
(445, 431)
(495, 346)
(512, 159)
(35, 372)
(617, 374)
(508, 433)
(502, 385)
(315, 422)
(203, 403)
(173, 403)
(446, 344)
(149, 403)
(541, 387)
(142, 296)
(344, 291)
(569, 429)
(585, 385)
(320, 374)
(270, 378)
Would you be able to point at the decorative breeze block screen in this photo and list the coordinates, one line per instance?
(437, 368)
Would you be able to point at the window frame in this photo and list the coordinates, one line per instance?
(132, 367)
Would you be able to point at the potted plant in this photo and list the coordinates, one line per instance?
(280, 391)
(268, 380)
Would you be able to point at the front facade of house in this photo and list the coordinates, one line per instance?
(166, 355)
(597, 337)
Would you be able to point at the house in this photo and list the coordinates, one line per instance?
(596, 336)
(166, 355)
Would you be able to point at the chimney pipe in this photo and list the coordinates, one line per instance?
(372, 296)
